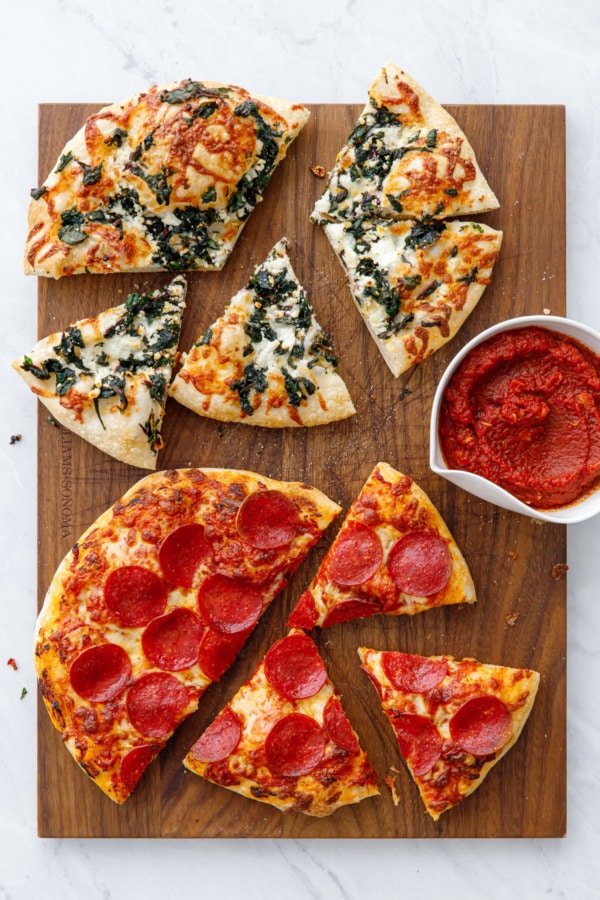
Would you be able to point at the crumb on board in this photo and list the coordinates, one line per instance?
(390, 782)
(511, 618)
(559, 570)
(319, 171)
(513, 554)
(14, 438)
(23, 693)
(12, 663)
(52, 421)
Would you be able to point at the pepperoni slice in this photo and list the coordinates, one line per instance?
(267, 520)
(295, 745)
(217, 651)
(155, 703)
(481, 726)
(294, 668)
(420, 563)
(355, 556)
(229, 605)
(134, 764)
(181, 553)
(100, 673)
(220, 738)
(419, 740)
(171, 641)
(416, 674)
(338, 727)
(305, 614)
(351, 609)
(134, 595)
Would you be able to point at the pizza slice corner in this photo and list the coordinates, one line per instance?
(284, 739)
(453, 719)
(266, 361)
(105, 378)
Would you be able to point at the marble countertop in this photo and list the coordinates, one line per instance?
(68, 50)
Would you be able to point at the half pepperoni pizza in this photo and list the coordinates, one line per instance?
(155, 600)
(284, 739)
(453, 719)
(393, 554)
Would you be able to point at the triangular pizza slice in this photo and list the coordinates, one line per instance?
(155, 601)
(266, 361)
(284, 739)
(393, 554)
(163, 180)
(405, 158)
(106, 378)
(414, 282)
(453, 720)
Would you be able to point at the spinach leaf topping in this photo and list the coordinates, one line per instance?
(36, 193)
(157, 182)
(298, 389)
(91, 174)
(64, 161)
(70, 340)
(424, 233)
(253, 379)
(152, 431)
(157, 386)
(192, 90)
(471, 277)
(378, 287)
(117, 137)
(180, 246)
(65, 377)
(251, 186)
(209, 195)
(206, 337)
(71, 231)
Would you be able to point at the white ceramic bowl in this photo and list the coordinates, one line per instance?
(476, 484)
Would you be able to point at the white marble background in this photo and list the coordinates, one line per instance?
(517, 51)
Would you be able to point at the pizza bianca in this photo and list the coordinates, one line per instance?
(163, 180)
(393, 554)
(405, 158)
(266, 361)
(453, 719)
(154, 602)
(414, 282)
(284, 739)
(106, 378)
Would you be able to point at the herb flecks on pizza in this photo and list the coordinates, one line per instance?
(155, 601)
(266, 361)
(163, 180)
(284, 739)
(106, 378)
(453, 720)
(414, 282)
(405, 158)
(393, 554)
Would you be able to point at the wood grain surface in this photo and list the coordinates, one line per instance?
(521, 149)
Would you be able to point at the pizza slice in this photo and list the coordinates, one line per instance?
(106, 378)
(453, 720)
(284, 739)
(155, 601)
(414, 282)
(393, 554)
(405, 158)
(266, 361)
(163, 180)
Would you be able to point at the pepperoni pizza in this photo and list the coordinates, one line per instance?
(284, 739)
(393, 554)
(154, 602)
(453, 720)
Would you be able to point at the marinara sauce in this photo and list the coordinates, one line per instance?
(523, 411)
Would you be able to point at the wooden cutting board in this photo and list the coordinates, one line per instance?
(521, 149)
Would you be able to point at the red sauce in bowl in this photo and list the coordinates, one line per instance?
(523, 411)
